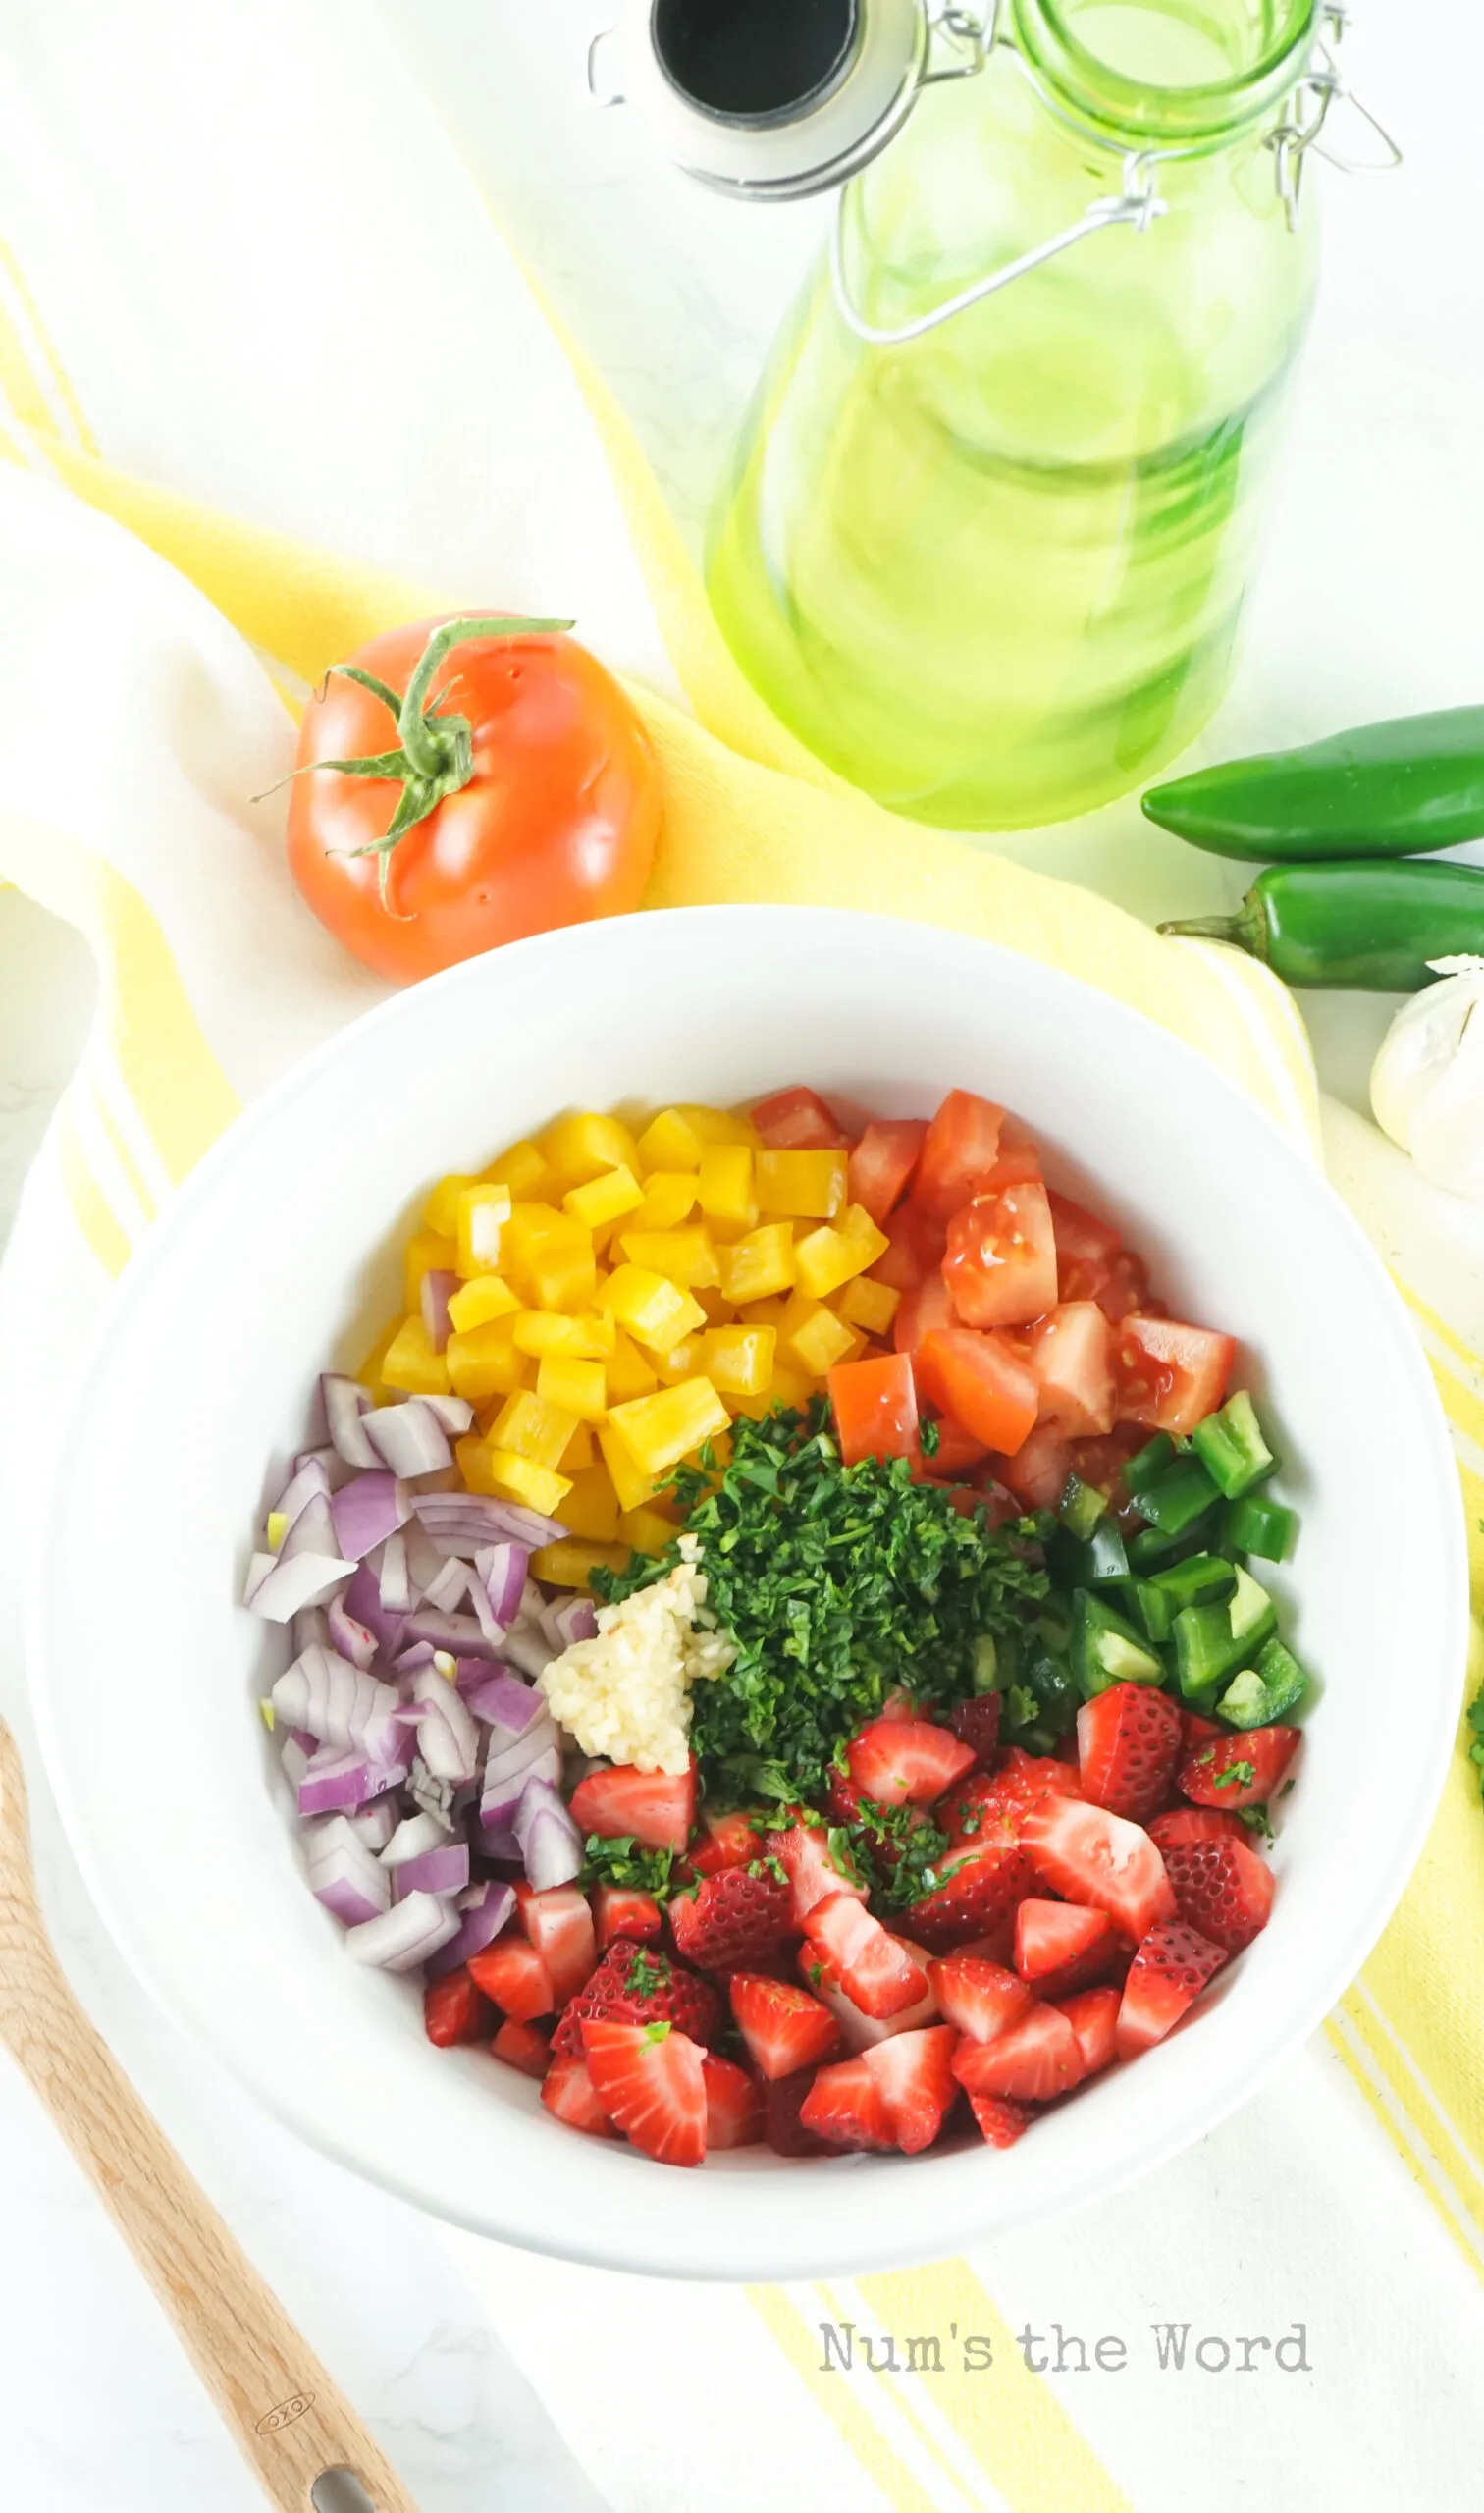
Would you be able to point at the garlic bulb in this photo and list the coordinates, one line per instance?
(1428, 1083)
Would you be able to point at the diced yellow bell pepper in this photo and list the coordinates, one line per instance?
(809, 1185)
(669, 1142)
(591, 1507)
(655, 1312)
(726, 1184)
(630, 1483)
(604, 1199)
(830, 1256)
(720, 1311)
(473, 1455)
(566, 1278)
(483, 1212)
(440, 1211)
(370, 1371)
(523, 1170)
(411, 1365)
(581, 1450)
(571, 1566)
(719, 1125)
(277, 1529)
(428, 1252)
(659, 1430)
(544, 1330)
(815, 1337)
(764, 1312)
(475, 1303)
(647, 1531)
(576, 1386)
(682, 1360)
(627, 1371)
(760, 1264)
(684, 1257)
(485, 1362)
(519, 1478)
(787, 1386)
(577, 1149)
(739, 1359)
(533, 1428)
(669, 1194)
(870, 1305)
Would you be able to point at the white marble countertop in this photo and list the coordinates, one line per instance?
(1370, 606)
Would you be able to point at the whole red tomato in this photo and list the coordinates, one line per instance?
(518, 790)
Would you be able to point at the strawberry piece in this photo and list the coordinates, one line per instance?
(1199, 1731)
(784, 2027)
(559, 1925)
(881, 1974)
(899, 1762)
(846, 2105)
(733, 2103)
(567, 2090)
(1034, 2059)
(978, 1723)
(658, 1807)
(1128, 1744)
(1167, 1975)
(978, 1997)
(731, 1920)
(1093, 2018)
(649, 2079)
(989, 1807)
(1000, 2121)
(783, 2129)
(639, 1985)
(1222, 1889)
(980, 1887)
(456, 2009)
(914, 2077)
(858, 2030)
(1243, 1770)
(1061, 1947)
(811, 1868)
(522, 2046)
(1091, 1856)
(512, 1972)
(1196, 1824)
(727, 1840)
(883, 1163)
(620, 1911)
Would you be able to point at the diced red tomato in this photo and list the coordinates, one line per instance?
(957, 1453)
(923, 1311)
(981, 1382)
(727, 1840)
(961, 1147)
(1037, 1473)
(522, 2046)
(1102, 1460)
(1000, 1262)
(1071, 1358)
(456, 2009)
(901, 1761)
(1091, 1856)
(916, 1248)
(1017, 1162)
(876, 1409)
(798, 1120)
(1081, 1236)
(658, 1807)
(1169, 1375)
(883, 1163)
(620, 1910)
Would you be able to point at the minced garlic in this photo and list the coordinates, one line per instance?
(626, 1693)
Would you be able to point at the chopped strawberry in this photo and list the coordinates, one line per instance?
(456, 2009)
(733, 2103)
(981, 1998)
(727, 1840)
(989, 1809)
(1222, 1888)
(731, 1920)
(978, 1723)
(658, 1807)
(883, 1163)
(567, 2090)
(876, 1970)
(1243, 1770)
(639, 1985)
(1199, 1732)
(799, 1120)
(783, 2128)
(977, 1888)
(512, 1972)
(846, 2105)
(1000, 2121)
(1060, 1946)
(1167, 1975)
(1031, 2060)
(522, 2046)
(811, 1867)
(1093, 2018)
(559, 1925)
(1128, 1744)
(914, 2076)
(650, 2080)
(620, 1911)
(858, 2030)
(1196, 1824)
(1091, 1856)
(784, 2028)
(900, 1761)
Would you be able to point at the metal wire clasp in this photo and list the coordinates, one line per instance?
(1310, 108)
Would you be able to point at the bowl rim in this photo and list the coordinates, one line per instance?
(749, 2256)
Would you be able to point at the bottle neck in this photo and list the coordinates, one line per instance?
(1187, 75)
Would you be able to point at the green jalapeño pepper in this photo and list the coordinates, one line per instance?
(1402, 788)
(1375, 924)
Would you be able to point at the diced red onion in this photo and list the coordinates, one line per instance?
(344, 1874)
(420, 1654)
(347, 1637)
(405, 1936)
(278, 1589)
(345, 1402)
(550, 1843)
(408, 1437)
(294, 1754)
(464, 1523)
(414, 1835)
(506, 1762)
(499, 1696)
(460, 1634)
(395, 1585)
(308, 1480)
(503, 1794)
(339, 1705)
(527, 1526)
(311, 1625)
(529, 1647)
(446, 1737)
(363, 1600)
(455, 1413)
(374, 1825)
(444, 1870)
(571, 1619)
(366, 1511)
(425, 1559)
(312, 1531)
(501, 1570)
(449, 1590)
(437, 1289)
(483, 1913)
(335, 1783)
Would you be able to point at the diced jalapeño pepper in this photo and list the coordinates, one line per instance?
(1232, 1448)
(1148, 1462)
(1081, 1506)
(1213, 1642)
(1107, 1649)
(1202, 1580)
(1263, 1528)
(1179, 1496)
(1154, 1607)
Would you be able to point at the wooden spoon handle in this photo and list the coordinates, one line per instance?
(288, 2415)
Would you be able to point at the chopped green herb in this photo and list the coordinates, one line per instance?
(916, 1842)
(624, 1861)
(1258, 1820)
(929, 1438)
(648, 1973)
(772, 1867)
(1235, 1776)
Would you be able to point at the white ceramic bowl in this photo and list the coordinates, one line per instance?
(280, 1252)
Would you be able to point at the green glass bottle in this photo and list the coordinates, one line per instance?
(990, 566)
